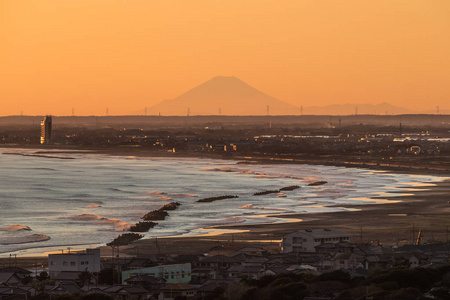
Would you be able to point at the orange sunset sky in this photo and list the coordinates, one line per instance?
(56, 55)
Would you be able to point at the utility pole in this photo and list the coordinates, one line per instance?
(446, 235)
(360, 235)
(267, 110)
(35, 268)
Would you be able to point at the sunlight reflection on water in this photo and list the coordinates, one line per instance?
(54, 196)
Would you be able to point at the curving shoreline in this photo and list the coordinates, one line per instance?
(414, 166)
(254, 228)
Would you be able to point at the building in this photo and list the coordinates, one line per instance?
(46, 130)
(176, 273)
(78, 261)
(177, 291)
(306, 240)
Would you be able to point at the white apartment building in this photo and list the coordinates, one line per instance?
(307, 239)
(78, 261)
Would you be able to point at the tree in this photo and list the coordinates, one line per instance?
(85, 278)
(106, 276)
(42, 276)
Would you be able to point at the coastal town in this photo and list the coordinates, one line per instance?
(307, 264)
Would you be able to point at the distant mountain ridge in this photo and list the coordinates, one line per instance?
(360, 109)
(224, 95)
(230, 95)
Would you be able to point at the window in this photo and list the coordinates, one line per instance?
(82, 263)
(53, 263)
(86, 262)
(65, 263)
(72, 263)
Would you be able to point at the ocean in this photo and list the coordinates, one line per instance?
(57, 200)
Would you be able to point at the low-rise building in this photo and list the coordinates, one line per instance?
(75, 261)
(307, 239)
(176, 273)
(177, 291)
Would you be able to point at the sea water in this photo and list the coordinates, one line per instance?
(80, 199)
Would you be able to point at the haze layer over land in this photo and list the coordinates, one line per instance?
(123, 56)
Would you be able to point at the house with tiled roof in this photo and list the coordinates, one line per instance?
(10, 278)
(171, 291)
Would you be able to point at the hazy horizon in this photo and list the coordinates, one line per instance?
(89, 56)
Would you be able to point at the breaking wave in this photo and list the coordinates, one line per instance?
(12, 228)
(156, 193)
(184, 195)
(118, 224)
(251, 206)
(93, 205)
(32, 238)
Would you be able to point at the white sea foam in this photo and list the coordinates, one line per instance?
(184, 195)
